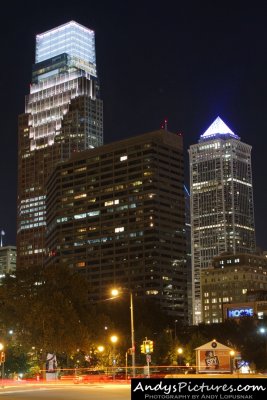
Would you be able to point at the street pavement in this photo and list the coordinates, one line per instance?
(66, 392)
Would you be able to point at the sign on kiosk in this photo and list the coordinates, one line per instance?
(213, 357)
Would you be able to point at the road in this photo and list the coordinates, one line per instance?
(90, 391)
(66, 392)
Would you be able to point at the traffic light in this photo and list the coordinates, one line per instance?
(147, 347)
(151, 346)
(2, 357)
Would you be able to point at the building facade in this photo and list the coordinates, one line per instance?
(221, 198)
(8, 257)
(227, 286)
(63, 115)
(117, 213)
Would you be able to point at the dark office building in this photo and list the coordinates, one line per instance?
(117, 213)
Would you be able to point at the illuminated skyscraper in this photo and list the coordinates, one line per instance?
(222, 212)
(63, 115)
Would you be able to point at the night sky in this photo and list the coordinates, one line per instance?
(185, 61)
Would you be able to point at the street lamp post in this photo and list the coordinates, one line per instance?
(132, 334)
(232, 354)
(114, 340)
(2, 362)
(115, 293)
(180, 352)
(101, 349)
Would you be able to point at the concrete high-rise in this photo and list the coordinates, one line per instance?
(221, 193)
(63, 115)
(117, 214)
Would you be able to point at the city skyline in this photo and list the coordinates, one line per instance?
(186, 65)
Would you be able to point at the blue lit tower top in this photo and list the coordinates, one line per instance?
(73, 39)
(218, 130)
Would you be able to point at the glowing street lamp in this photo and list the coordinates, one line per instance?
(180, 352)
(114, 340)
(100, 350)
(115, 293)
(232, 354)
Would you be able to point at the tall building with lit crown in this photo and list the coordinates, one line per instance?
(222, 211)
(63, 115)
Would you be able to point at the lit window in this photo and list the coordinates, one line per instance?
(152, 292)
(111, 202)
(80, 196)
(123, 158)
(80, 264)
(119, 229)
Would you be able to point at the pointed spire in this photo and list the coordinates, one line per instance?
(218, 128)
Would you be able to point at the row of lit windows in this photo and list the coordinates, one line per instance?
(29, 226)
(236, 260)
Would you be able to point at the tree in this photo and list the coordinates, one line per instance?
(48, 308)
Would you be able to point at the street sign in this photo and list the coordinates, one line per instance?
(148, 358)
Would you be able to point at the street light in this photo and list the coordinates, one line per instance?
(232, 354)
(114, 340)
(115, 293)
(180, 352)
(100, 350)
(2, 361)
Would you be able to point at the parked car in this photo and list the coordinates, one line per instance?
(90, 376)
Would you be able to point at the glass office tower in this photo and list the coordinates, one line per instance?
(63, 115)
(222, 211)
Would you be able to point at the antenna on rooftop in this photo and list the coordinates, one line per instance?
(165, 125)
(2, 233)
